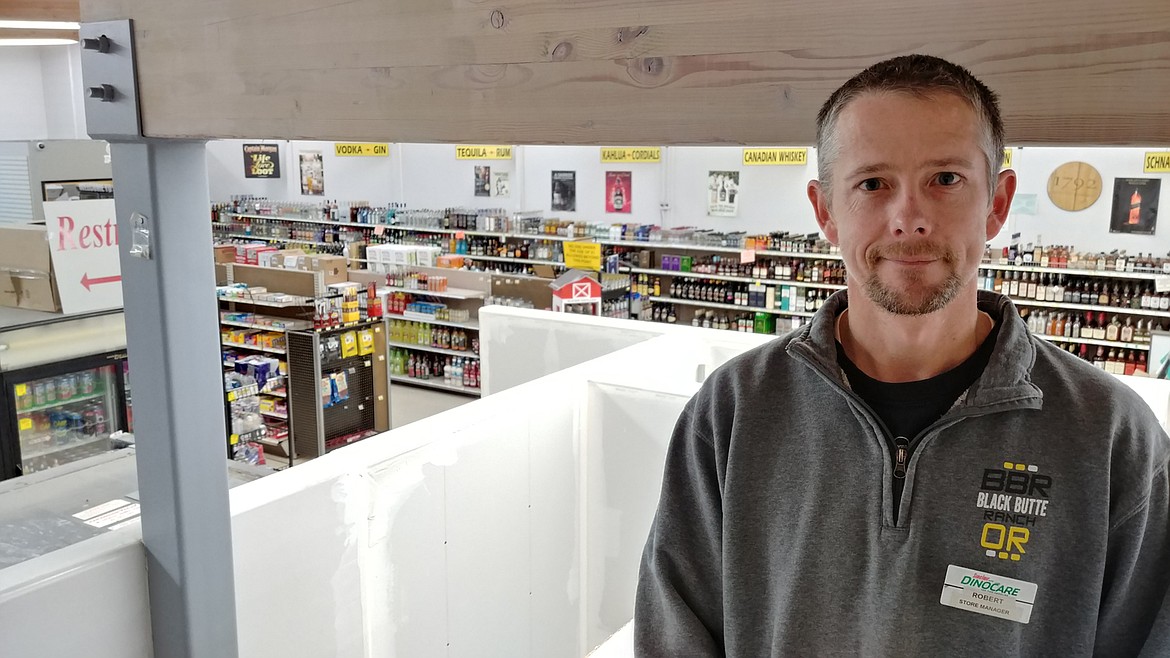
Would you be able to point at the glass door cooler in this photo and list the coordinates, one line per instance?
(62, 412)
(63, 388)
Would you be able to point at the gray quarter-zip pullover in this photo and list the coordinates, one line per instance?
(1034, 519)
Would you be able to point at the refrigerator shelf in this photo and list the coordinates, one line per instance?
(61, 403)
(52, 450)
(249, 436)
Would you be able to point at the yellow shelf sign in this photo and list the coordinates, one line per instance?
(1007, 158)
(583, 256)
(1157, 163)
(466, 152)
(26, 424)
(775, 157)
(614, 154)
(369, 150)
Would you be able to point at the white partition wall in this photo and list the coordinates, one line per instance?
(511, 526)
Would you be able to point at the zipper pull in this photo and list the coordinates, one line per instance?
(901, 456)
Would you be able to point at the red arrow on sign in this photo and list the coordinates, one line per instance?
(87, 282)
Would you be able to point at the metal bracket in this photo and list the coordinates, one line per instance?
(111, 80)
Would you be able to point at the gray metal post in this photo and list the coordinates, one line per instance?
(168, 280)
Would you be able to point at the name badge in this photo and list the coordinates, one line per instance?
(988, 594)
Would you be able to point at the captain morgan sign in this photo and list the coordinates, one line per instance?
(83, 245)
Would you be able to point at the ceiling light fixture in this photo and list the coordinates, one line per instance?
(37, 42)
(39, 25)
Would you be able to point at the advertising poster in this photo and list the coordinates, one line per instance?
(618, 185)
(261, 161)
(500, 184)
(483, 180)
(564, 191)
(312, 173)
(723, 193)
(1135, 205)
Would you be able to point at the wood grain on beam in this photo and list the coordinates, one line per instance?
(6, 33)
(40, 10)
(638, 71)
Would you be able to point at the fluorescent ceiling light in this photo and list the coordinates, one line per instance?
(39, 25)
(37, 42)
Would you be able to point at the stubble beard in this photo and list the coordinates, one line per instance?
(910, 301)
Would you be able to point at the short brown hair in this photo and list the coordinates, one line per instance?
(921, 76)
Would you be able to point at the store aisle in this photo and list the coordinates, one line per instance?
(411, 403)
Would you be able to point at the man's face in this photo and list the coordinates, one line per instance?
(909, 203)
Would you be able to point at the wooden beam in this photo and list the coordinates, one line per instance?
(6, 33)
(40, 10)
(640, 71)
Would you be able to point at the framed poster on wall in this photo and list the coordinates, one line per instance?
(1135, 205)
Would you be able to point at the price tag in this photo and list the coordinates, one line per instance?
(26, 424)
(747, 256)
(1162, 283)
(459, 235)
(379, 230)
(21, 389)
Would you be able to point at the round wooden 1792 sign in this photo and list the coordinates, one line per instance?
(1074, 186)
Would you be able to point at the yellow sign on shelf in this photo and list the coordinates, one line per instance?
(614, 154)
(1007, 158)
(583, 256)
(26, 424)
(775, 157)
(370, 150)
(21, 389)
(466, 152)
(1157, 162)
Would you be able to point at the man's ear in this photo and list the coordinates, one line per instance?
(819, 197)
(1001, 202)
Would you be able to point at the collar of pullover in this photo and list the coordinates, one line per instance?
(1005, 380)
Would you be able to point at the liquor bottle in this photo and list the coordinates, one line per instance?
(999, 282)
(1099, 329)
(1088, 326)
(1135, 208)
(1113, 331)
(1076, 330)
(1130, 363)
(1099, 359)
(1111, 361)
(619, 198)
(1014, 285)
(1140, 369)
(1126, 334)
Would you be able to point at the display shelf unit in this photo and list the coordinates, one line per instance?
(418, 317)
(1093, 341)
(55, 449)
(1093, 308)
(289, 218)
(450, 293)
(255, 348)
(312, 424)
(437, 350)
(1108, 274)
(738, 279)
(269, 238)
(730, 307)
(274, 414)
(56, 404)
(488, 234)
(437, 384)
(510, 259)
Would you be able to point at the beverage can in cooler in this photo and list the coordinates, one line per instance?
(97, 422)
(41, 423)
(40, 396)
(87, 382)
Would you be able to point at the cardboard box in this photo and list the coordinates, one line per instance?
(27, 279)
(225, 253)
(334, 267)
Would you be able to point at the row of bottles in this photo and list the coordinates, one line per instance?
(619, 309)
(1110, 359)
(451, 370)
(282, 229)
(424, 333)
(1045, 287)
(502, 248)
(807, 243)
(358, 212)
(814, 271)
(1091, 326)
(1064, 257)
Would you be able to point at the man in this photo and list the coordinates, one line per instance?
(912, 473)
